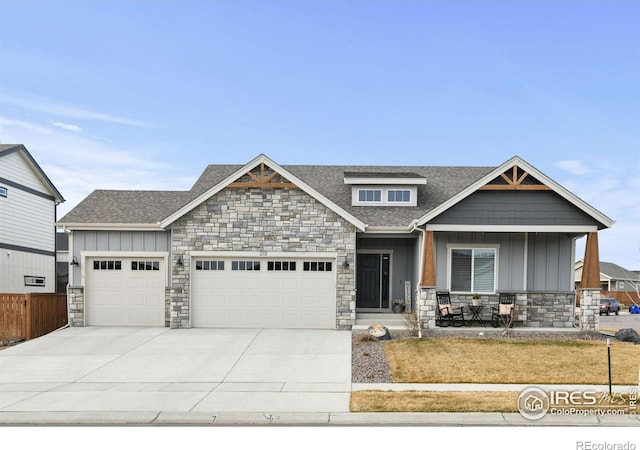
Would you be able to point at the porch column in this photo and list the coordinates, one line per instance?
(591, 265)
(426, 307)
(428, 276)
(590, 286)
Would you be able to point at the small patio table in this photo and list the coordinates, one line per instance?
(476, 315)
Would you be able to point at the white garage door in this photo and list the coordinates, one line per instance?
(263, 293)
(125, 291)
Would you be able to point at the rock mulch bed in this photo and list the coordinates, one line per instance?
(369, 363)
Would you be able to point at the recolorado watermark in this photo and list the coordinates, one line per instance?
(589, 445)
(535, 403)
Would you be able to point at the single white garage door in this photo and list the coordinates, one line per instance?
(125, 291)
(263, 293)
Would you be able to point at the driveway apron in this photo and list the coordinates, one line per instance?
(118, 369)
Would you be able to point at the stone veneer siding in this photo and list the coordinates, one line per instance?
(263, 220)
(75, 303)
(533, 309)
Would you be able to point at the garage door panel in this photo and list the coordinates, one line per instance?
(123, 296)
(282, 298)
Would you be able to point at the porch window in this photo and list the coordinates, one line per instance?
(473, 269)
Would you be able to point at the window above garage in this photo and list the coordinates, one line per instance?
(384, 189)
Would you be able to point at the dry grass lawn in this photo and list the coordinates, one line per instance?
(511, 361)
(412, 401)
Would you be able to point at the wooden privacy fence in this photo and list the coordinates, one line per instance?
(28, 316)
(625, 298)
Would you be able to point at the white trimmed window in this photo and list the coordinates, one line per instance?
(399, 196)
(472, 270)
(34, 281)
(621, 285)
(369, 195)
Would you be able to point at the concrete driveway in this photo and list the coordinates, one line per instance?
(163, 371)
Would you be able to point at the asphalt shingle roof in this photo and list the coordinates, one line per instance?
(105, 206)
(617, 272)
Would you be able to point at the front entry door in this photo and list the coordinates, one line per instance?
(373, 281)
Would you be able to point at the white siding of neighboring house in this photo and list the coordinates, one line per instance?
(15, 167)
(14, 265)
(27, 220)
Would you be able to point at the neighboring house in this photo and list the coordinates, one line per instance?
(264, 245)
(62, 262)
(613, 278)
(28, 201)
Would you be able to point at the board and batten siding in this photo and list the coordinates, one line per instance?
(514, 208)
(15, 167)
(27, 220)
(118, 241)
(549, 265)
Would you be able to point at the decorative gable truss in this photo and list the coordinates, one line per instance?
(515, 179)
(262, 176)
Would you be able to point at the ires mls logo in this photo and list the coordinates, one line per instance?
(533, 403)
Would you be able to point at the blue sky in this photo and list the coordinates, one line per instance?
(144, 94)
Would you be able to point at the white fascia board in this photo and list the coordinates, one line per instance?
(286, 174)
(558, 189)
(385, 181)
(110, 226)
(513, 228)
(387, 230)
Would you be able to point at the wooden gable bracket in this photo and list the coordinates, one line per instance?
(261, 180)
(513, 182)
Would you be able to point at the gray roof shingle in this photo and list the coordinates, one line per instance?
(151, 207)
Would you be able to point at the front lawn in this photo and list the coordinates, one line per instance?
(502, 361)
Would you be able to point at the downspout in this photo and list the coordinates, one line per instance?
(414, 227)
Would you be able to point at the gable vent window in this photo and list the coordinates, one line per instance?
(3, 191)
(370, 195)
(399, 196)
(34, 281)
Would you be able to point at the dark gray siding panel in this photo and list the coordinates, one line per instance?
(404, 258)
(550, 265)
(514, 208)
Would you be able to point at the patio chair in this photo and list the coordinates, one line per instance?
(504, 313)
(447, 314)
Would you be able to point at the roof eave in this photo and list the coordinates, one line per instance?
(79, 226)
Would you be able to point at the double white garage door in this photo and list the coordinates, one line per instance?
(263, 292)
(225, 292)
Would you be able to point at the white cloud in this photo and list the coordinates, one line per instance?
(66, 126)
(57, 108)
(78, 164)
(574, 166)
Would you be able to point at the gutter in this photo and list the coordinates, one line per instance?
(413, 227)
